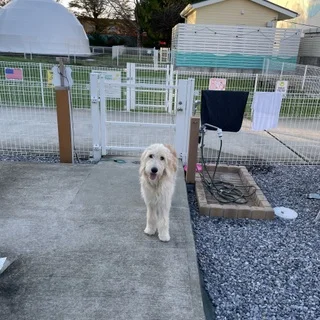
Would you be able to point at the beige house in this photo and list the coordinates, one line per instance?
(234, 34)
(259, 13)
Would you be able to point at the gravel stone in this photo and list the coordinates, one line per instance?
(37, 158)
(256, 269)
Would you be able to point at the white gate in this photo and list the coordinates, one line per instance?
(120, 130)
(147, 74)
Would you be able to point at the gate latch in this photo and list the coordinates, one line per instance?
(95, 99)
(180, 108)
(96, 147)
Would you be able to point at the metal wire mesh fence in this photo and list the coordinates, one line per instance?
(119, 55)
(28, 110)
(28, 119)
(297, 137)
(302, 78)
(112, 57)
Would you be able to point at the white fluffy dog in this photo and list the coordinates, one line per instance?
(158, 169)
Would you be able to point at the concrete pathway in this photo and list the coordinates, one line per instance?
(75, 233)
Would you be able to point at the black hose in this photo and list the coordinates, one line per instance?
(224, 192)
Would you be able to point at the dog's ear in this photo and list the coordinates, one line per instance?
(172, 150)
(173, 159)
(143, 161)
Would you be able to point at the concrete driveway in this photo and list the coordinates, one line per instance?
(75, 233)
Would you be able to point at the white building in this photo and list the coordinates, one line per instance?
(41, 27)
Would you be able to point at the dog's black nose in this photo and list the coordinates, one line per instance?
(154, 170)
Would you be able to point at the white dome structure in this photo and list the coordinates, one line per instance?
(41, 27)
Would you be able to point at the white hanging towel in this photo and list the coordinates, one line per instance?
(266, 109)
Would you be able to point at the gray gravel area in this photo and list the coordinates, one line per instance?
(38, 158)
(256, 269)
(29, 158)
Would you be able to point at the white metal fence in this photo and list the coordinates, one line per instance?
(296, 140)
(28, 112)
(115, 56)
(121, 55)
(28, 121)
(161, 94)
(302, 78)
(122, 129)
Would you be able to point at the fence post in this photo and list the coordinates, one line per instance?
(128, 106)
(184, 113)
(64, 116)
(170, 110)
(64, 124)
(118, 56)
(95, 116)
(181, 105)
(304, 77)
(133, 87)
(167, 89)
(155, 58)
(41, 84)
(103, 115)
(256, 82)
(282, 67)
(267, 66)
(176, 79)
(193, 149)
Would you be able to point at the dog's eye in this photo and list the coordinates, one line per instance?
(151, 156)
(161, 158)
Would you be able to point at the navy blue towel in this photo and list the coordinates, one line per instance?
(223, 109)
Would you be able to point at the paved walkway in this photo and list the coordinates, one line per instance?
(75, 233)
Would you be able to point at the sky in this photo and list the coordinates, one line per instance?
(309, 12)
(64, 2)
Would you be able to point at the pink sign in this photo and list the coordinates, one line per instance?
(217, 84)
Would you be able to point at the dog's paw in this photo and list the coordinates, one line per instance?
(164, 237)
(149, 231)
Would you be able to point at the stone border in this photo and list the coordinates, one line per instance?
(261, 210)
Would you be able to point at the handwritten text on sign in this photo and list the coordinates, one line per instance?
(217, 84)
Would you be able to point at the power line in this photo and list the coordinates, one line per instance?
(302, 24)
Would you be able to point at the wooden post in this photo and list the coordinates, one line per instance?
(64, 125)
(193, 149)
(62, 71)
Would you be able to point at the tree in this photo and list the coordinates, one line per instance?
(164, 20)
(157, 18)
(3, 2)
(93, 9)
(124, 10)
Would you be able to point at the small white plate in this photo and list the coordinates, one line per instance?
(4, 264)
(285, 213)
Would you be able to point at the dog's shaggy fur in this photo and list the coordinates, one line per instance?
(158, 169)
